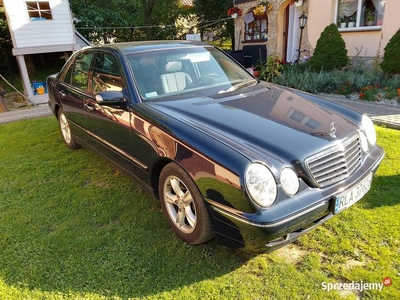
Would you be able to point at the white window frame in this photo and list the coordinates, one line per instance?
(359, 17)
(42, 14)
(253, 35)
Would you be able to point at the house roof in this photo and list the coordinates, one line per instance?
(187, 2)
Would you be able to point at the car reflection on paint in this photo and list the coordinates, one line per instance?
(250, 163)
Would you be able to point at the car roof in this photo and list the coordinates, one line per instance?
(144, 46)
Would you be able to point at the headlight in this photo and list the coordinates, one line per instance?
(290, 182)
(260, 184)
(369, 130)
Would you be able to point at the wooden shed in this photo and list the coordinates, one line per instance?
(39, 27)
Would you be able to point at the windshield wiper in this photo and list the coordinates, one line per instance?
(241, 84)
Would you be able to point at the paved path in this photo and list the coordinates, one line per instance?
(381, 114)
(24, 113)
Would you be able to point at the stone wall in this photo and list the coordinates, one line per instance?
(275, 30)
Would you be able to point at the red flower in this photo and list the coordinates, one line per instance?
(234, 10)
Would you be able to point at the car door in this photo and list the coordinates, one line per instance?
(107, 124)
(72, 88)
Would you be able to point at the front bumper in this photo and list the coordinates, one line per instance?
(269, 229)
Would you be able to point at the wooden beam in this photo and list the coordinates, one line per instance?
(24, 75)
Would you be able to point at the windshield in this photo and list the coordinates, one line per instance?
(186, 72)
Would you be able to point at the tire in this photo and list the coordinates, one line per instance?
(68, 136)
(184, 206)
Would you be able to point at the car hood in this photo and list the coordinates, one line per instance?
(264, 119)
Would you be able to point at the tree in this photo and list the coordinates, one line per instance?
(158, 16)
(212, 12)
(4, 31)
(330, 52)
(8, 64)
(93, 18)
(391, 57)
(125, 20)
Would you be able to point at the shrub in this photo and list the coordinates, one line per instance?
(345, 88)
(391, 57)
(376, 93)
(391, 93)
(370, 93)
(338, 81)
(330, 52)
(271, 68)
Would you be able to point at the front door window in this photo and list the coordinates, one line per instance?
(106, 74)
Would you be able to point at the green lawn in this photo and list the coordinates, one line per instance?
(74, 227)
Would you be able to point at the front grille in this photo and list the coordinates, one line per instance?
(336, 163)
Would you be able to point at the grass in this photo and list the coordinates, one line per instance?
(74, 227)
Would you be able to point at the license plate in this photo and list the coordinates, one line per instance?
(348, 198)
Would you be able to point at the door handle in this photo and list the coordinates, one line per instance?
(62, 94)
(89, 107)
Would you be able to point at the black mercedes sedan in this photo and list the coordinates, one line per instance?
(253, 164)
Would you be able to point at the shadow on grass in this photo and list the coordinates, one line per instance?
(385, 191)
(109, 245)
(73, 223)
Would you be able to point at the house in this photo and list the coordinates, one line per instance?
(365, 25)
(40, 27)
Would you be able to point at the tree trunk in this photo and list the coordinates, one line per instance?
(3, 104)
(148, 19)
(30, 66)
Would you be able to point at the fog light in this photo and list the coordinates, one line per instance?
(289, 181)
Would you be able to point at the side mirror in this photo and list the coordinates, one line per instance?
(110, 98)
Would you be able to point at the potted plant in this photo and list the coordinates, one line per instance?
(352, 21)
(256, 70)
(342, 22)
(262, 8)
(379, 22)
(296, 2)
(234, 12)
(370, 17)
